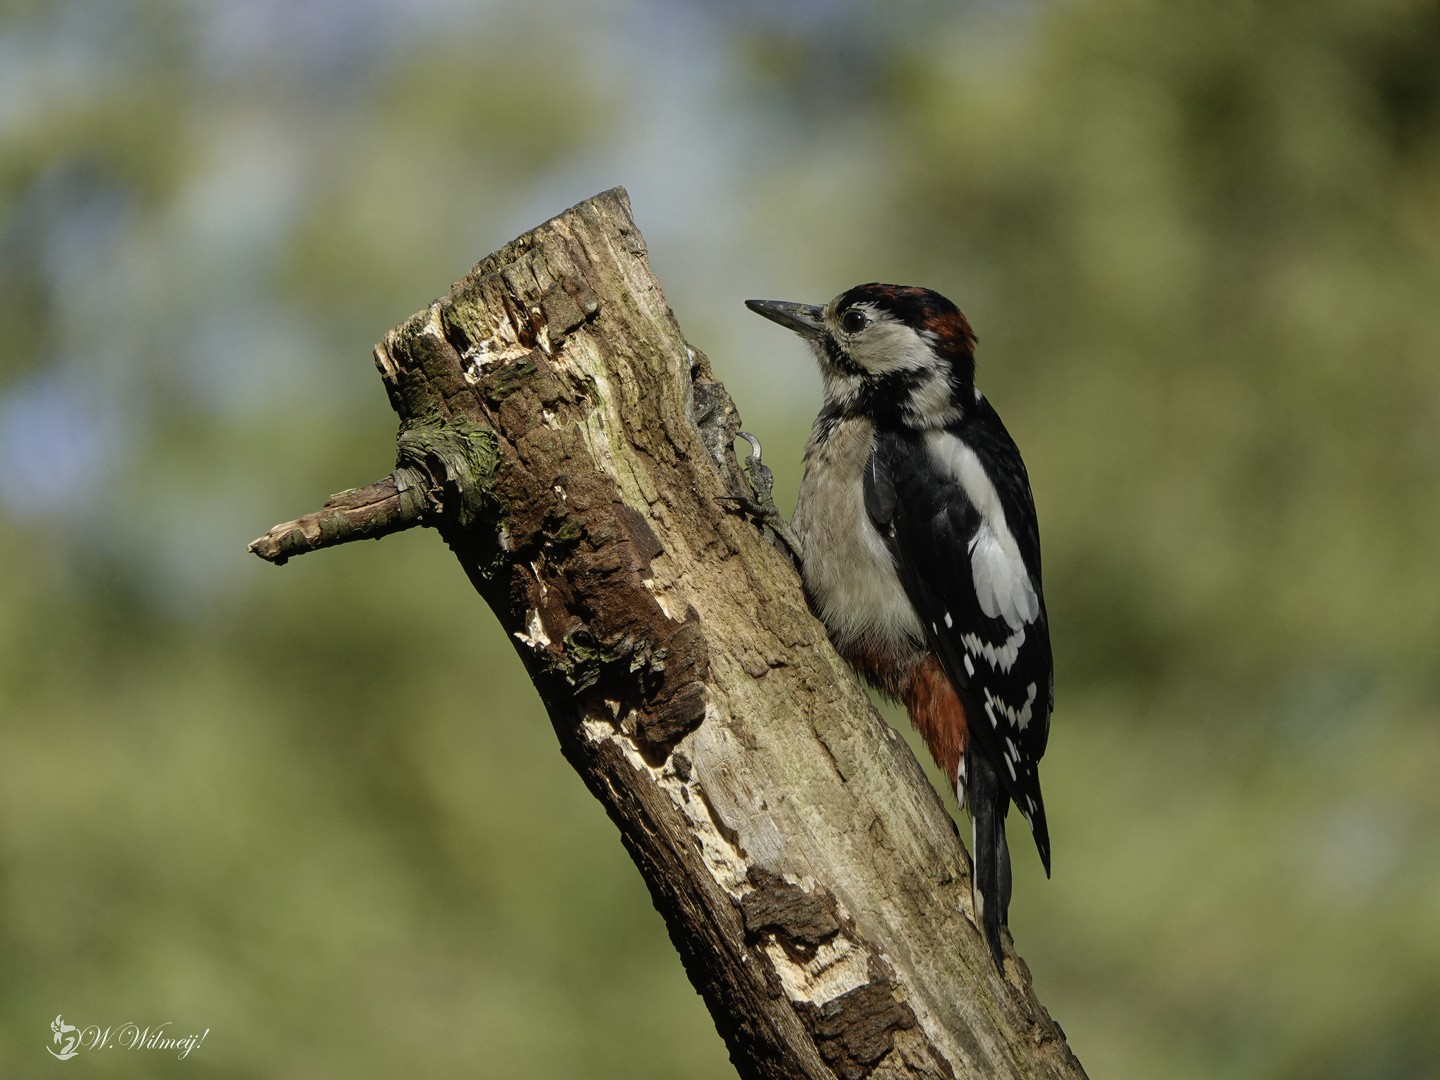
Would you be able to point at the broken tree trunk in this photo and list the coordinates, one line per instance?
(570, 448)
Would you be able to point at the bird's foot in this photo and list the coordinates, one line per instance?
(762, 509)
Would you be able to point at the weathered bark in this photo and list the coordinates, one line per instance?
(570, 447)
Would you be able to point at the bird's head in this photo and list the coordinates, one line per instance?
(892, 352)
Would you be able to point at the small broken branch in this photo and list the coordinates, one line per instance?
(577, 456)
(441, 463)
(366, 513)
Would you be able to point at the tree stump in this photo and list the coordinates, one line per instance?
(570, 447)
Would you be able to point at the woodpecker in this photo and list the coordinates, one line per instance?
(920, 552)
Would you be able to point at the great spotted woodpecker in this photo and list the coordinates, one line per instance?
(920, 553)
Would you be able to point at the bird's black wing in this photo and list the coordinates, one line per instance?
(985, 623)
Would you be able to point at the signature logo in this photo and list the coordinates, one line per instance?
(71, 1039)
(65, 1033)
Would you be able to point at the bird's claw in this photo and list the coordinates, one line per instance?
(762, 509)
(761, 478)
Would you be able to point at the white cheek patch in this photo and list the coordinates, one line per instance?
(930, 404)
(888, 345)
(1002, 584)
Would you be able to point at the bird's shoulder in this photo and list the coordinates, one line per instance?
(972, 463)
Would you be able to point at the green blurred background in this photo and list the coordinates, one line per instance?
(319, 811)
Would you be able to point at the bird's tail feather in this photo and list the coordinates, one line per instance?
(990, 883)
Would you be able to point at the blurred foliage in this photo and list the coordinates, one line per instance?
(1202, 242)
(319, 810)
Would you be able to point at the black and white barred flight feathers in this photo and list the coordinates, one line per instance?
(921, 553)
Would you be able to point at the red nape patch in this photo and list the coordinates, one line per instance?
(952, 326)
(937, 714)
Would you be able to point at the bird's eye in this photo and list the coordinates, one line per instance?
(853, 321)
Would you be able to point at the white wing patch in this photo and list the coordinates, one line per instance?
(1019, 718)
(1002, 658)
(1002, 584)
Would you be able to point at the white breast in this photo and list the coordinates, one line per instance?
(849, 573)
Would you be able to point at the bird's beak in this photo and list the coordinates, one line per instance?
(807, 320)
